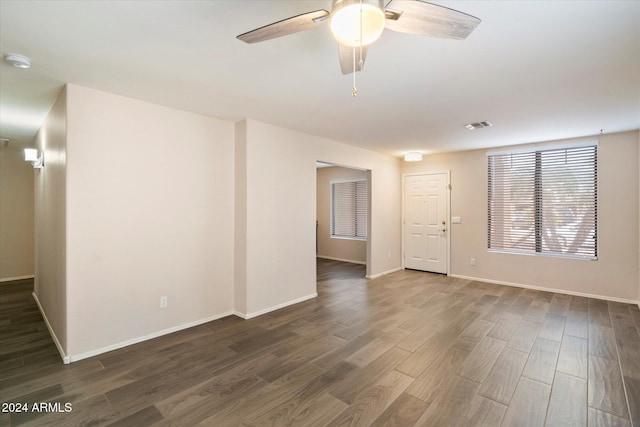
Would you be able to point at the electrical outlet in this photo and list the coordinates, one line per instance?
(163, 302)
(472, 261)
(389, 255)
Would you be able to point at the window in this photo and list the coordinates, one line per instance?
(349, 209)
(544, 201)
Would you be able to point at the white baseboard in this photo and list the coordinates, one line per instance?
(137, 340)
(69, 359)
(540, 288)
(352, 261)
(384, 273)
(65, 359)
(74, 358)
(13, 279)
(247, 316)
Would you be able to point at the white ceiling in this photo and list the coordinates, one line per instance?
(539, 70)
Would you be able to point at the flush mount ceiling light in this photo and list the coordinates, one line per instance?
(17, 60)
(478, 125)
(413, 156)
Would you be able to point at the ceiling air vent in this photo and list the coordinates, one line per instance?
(478, 125)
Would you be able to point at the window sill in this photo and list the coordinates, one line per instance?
(543, 254)
(360, 239)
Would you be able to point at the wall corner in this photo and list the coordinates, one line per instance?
(240, 224)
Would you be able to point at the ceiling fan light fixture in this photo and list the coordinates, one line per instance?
(357, 22)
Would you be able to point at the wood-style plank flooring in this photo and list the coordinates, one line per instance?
(406, 349)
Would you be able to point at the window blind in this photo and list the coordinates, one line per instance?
(544, 201)
(349, 209)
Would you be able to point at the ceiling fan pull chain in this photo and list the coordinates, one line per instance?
(354, 90)
(361, 63)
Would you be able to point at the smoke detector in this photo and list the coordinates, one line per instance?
(17, 60)
(478, 125)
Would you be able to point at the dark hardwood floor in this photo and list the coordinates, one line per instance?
(405, 349)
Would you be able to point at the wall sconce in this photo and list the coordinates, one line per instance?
(414, 156)
(31, 155)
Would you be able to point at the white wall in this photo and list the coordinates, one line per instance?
(613, 275)
(50, 221)
(16, 214)
(281, 212)
(150, 205)
(334, 248)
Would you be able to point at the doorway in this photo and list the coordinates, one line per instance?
(339, 239)
(426, 222)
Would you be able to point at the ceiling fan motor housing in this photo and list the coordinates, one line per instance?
(357, 22)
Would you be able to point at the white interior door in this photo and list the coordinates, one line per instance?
(426, 222)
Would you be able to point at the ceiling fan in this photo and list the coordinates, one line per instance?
(357, 23)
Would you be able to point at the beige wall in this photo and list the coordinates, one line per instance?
(139, 201)
(16, 214)
(281, 212)
(50, 222)
(613, 275)
(150, 201)
(332, 248)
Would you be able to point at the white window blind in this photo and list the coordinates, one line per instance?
(544, 201)
(349, 209)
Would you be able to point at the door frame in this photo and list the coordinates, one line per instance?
(447, 215)
(369, 173)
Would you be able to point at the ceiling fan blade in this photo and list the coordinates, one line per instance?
(285, 27)
(419, 17)
(346, 58)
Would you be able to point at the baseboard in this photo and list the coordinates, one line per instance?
(247, 316)
(137, 340)
(540, 288)
(384, 273)
(352, 261)
(65, 359)
(13, 279)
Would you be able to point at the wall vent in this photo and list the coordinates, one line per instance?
(478, 125)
